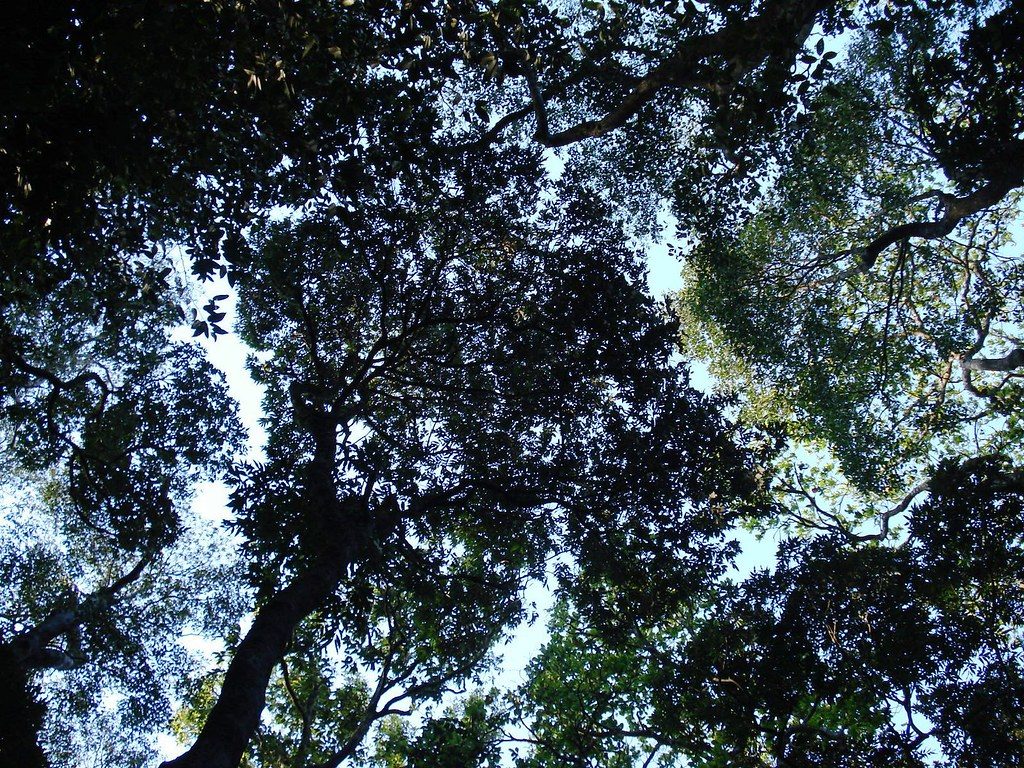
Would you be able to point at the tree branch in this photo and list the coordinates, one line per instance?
(955, 209)
(743, 45)
(30, 647)
(1009, 362)
(303, 710)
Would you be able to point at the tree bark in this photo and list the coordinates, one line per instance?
(956, 209)
(236, 715)
(1005, 364)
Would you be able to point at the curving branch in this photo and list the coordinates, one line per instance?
(303, 708)
(32, 648)
(969, 364)
(742, 46)
(711, 61)
(1005, 364)
(537, 105)
(883, 531)
(835, 524)
(955, 210)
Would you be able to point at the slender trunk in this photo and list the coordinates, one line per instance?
(236, 715)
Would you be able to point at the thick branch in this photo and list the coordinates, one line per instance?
(30, 647)
(780, 27)
(742, 47)
(955, 210)
(1010, 362)
(539, 107)
(341, 536)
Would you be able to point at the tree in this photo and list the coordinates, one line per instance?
(498, 384)
(107, 426)
(874, 311)
(805, 664)
(463, 375)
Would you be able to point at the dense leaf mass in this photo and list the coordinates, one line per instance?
(427, 223)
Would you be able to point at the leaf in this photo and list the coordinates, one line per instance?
(883, 27)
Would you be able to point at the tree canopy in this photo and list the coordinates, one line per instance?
(427, 221)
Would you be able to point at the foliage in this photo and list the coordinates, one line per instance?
(840, 655)
(821, 304)
(426, 220)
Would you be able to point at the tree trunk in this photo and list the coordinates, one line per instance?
(21, 715)
(236, 715)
